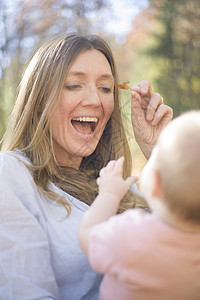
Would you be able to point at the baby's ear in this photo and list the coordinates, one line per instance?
(156, 184)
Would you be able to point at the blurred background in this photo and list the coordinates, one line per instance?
(156, 40)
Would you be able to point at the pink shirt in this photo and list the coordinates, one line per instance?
(145, 259)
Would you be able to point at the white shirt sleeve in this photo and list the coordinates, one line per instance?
(25, 265)
(134, 188)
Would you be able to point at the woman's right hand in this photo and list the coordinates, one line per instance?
(149, 116)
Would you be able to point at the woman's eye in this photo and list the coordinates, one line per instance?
(72, 87)
(106, 90)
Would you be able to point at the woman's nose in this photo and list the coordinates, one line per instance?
(91, 97)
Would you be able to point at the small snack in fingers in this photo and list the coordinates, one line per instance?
(124, 85)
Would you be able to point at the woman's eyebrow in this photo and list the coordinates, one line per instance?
(107, 76)
(76, 73)
(79, 73)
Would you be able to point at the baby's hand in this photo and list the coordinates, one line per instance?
(111, 181)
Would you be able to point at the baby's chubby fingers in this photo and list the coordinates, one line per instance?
(111, 180)
(108, 168)
(130, 180)
(118, 167)
(114, 166)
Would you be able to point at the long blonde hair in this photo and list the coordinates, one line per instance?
(29, 131)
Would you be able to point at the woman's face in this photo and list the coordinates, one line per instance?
(85, 106)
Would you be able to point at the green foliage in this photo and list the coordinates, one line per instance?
(163, 47)
(178, 47)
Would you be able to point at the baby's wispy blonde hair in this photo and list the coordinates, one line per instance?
(178, 162)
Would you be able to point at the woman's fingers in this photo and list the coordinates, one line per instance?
(152, 109)
(145, 88)
(153, 105)
(163, 114)
(136, 88)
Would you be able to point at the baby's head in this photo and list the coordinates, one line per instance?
(172, 174)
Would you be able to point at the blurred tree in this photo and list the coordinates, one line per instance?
(178, 46)
(135, 65)
(163, 46)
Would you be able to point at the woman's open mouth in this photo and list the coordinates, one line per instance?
(85, 125)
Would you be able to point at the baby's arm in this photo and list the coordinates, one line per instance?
(112, 188)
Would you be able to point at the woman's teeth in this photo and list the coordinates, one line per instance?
(85, 125)
(86, 119)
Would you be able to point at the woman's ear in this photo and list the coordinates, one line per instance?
(156, 184)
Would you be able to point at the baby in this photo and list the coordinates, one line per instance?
(150, 256)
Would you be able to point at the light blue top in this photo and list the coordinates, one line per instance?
(40, 257)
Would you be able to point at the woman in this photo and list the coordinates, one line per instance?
(65, 126)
